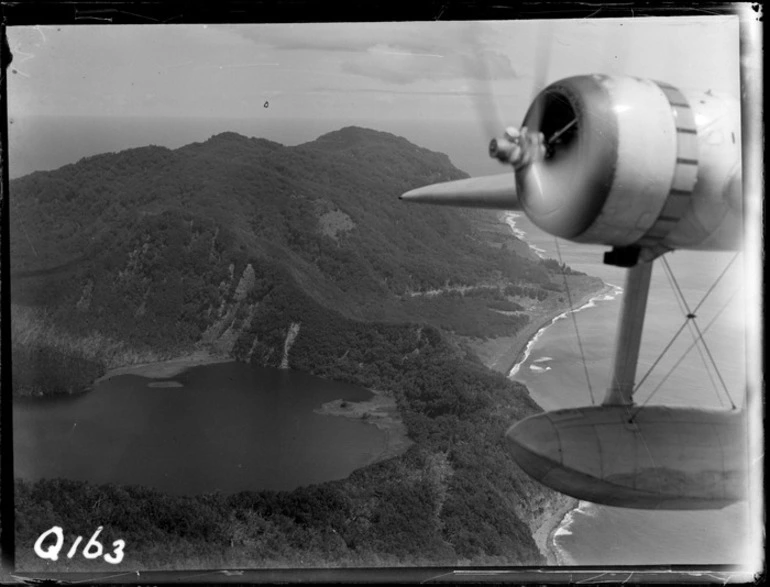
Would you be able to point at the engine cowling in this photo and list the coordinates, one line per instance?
(641, 163)
(628, 162)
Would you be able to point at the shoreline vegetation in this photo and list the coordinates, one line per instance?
(166, 369)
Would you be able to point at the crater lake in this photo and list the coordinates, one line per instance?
(226, 427)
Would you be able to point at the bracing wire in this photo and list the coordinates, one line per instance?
(716, 369)
(660, 356)
(690, 316)
(574, 322)
(693, 344)
(683, 309)
(705, 364)
(713, 285)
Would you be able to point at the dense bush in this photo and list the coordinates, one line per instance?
(149, 252)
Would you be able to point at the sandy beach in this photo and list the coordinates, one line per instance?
(509, 351)
(502, 353)
(165, 369)
(381, 411)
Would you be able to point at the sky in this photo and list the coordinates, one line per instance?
(400, 71)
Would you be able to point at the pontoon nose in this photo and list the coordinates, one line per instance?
(534, 444)
(662, 458)
(557, 456)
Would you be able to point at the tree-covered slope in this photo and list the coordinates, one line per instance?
(159, 251)
(328, 210)
(238, 244)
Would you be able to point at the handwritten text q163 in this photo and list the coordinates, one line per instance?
(92, 550)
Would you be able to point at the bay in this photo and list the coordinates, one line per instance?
(227, 427)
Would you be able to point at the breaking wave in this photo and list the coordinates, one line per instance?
(604, 296)
(584, 508)
(510, 220)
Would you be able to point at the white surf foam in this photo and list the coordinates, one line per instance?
(510, 220)
(591, 303)
(584, 508)
(528, 349)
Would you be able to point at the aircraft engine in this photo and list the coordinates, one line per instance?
(620, 161)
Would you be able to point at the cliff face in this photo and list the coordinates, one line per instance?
(303, 258)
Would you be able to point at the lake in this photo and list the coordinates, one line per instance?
(229, 427)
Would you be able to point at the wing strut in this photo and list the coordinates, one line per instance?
(629, 337)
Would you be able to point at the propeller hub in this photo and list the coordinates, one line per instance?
(518, 147)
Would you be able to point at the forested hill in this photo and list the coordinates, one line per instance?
(327, 211)
(295, 257)
(162, 249)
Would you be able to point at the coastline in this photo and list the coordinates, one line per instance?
(506, 353)
(381, 411)
(546, 530)
(165, 369)
(503, 354)
(527, 335)
(547, 527)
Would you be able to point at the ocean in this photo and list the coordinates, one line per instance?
(552, 369)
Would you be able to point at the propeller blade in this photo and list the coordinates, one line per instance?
(542, 57)
(492, 191)
(475, 62)
(542, 65)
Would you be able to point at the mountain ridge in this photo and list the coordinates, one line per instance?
(364, 224)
